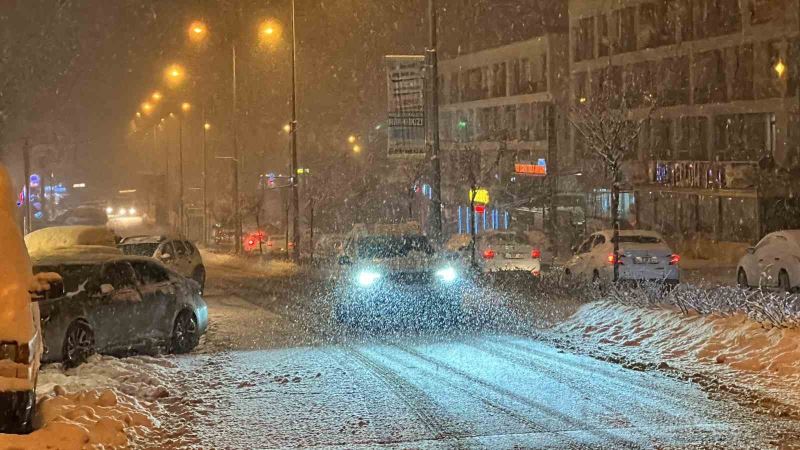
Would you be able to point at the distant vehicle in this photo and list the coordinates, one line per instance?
(82, 215)
(643, 256)
(385, 272)
(176, 253)
(259, 241)
(114, 304)
(499, 251)
(773, 263)
(122, 211)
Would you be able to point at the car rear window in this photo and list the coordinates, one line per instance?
(74, 275)
(147, 249)
(638, 239)
(392, 246)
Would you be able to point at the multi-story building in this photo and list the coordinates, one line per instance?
(497, 102)
(724, 75)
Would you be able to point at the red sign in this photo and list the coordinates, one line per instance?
(480, 209)
(530, 169)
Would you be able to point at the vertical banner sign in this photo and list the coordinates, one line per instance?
(405, 76)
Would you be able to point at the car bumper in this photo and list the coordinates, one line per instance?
(401, 295)
(534, 267)
(670, 275)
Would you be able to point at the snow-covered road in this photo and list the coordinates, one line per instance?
(273, 372)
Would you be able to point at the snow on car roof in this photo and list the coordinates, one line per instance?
(649, 233)
(82, 254)
(153, 239)
(794, 235)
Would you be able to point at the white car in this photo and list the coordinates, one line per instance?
(20, 328)
(774, 262)
(644, 256)
(176, 253)
(504, 252)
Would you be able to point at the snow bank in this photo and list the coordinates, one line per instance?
(757, 355)
(105, 403)
(47, 240)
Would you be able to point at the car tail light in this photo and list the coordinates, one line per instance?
(536, 253)
(251, 242)
(488, 254)
(674, 259)
(612, 260)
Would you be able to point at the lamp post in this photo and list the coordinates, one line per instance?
(206, 127)
(295, 194)
(185, 108)
(436, 216)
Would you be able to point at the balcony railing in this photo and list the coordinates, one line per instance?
(704, 174)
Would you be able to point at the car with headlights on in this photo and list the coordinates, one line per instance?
(385, 274)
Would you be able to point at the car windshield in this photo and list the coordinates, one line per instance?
(146, 249)
(637, 239)
(393, 246)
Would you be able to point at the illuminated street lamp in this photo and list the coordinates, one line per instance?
(197, 31)
(147, 108)
(175, 74)
(207, 126)
(138, 114)
(186, 107)
(356, 148)
(287, 128)
(269, 32)
(780, 68)
(156, 96)
(351, 139)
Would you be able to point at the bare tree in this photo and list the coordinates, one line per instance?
(606, 124)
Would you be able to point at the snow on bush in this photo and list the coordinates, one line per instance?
(47, 240)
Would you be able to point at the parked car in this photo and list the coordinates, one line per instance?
(774, 262)
(116, 304)
(499, 251)
(82, 215)
(20, 333)
(643, 256)
(176, 253)
(384, 273)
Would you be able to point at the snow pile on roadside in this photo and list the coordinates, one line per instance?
(757, 355)
(266, 267)
(104, 403)
(48, 239)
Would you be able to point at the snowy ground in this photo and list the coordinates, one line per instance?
(275, 371)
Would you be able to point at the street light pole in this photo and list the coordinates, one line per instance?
(236, 205)
(295, 194)
(180, 174)
(205, 180)
(433, 64)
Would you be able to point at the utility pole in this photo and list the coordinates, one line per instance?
(236, 205)
(205, 179)
(293, 126)
(433, 65)
(26, 159)
(180, 175)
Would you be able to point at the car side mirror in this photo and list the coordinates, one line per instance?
(166, 256)
(750, 250)
(106, 288)
(344, 260)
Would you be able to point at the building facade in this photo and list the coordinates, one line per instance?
(724, 76)
(498, 103)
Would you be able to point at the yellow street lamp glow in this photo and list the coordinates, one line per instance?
(138, 114)
(287, 128)
(156, 96)
(357, 149)
(351, 139)
(780, 68)
(197, 30)
(175, 74)
(147, 108)
(185, 107)
(207, 126)
(269, 31)
(582, 99)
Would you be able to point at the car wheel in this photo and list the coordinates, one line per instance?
(78, 344)
(783, 281)
(185, 335)
(741, 279)
(199, 275)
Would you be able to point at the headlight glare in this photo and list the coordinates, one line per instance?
(368, 277)
(447, 274)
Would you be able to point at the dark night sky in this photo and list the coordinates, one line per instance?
(108, 55)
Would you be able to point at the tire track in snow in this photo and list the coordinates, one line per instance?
(619, 442)
(652, 399)
(432, 415)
